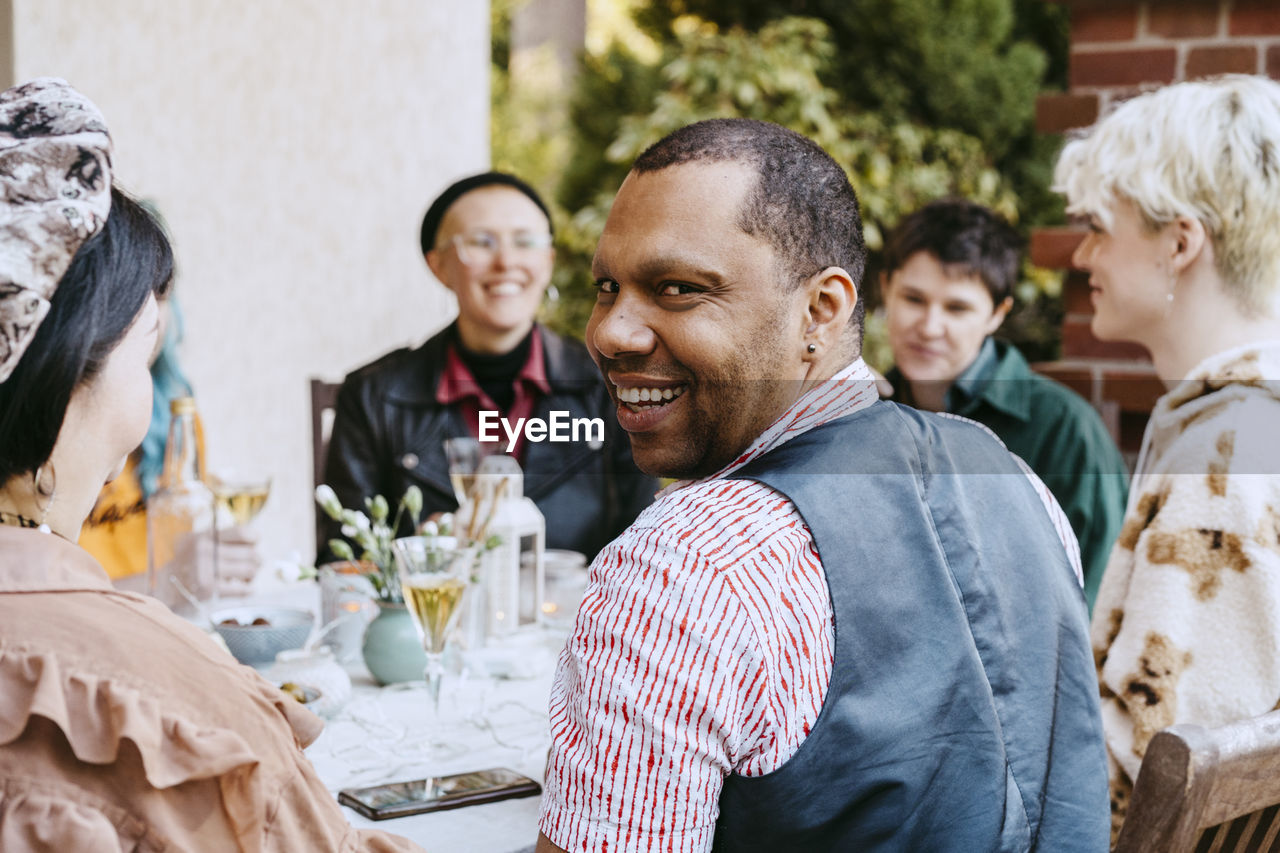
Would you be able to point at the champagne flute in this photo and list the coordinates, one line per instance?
(433, 577)
(464, 455)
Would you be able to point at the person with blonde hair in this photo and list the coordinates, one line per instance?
(1181, 188)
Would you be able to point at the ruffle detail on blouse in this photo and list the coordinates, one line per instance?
(96, 715)
(45, 818)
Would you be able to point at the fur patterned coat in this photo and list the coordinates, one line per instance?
(1187, 620)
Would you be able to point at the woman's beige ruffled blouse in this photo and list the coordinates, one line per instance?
(123, 727)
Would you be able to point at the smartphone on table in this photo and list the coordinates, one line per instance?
(399, 799)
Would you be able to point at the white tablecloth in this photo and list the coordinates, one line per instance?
(380, 736)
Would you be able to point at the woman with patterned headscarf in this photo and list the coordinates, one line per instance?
(1181, 187)
(121, 725)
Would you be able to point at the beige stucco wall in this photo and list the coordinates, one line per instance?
(292, 145)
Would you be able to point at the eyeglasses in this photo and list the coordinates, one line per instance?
(479, 248)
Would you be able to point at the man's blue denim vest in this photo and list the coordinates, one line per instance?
(962, 710)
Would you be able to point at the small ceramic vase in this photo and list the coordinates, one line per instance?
(392, 648)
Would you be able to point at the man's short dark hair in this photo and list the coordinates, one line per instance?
(802, 203)
(965, 237)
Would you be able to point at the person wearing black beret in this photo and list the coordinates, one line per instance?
(488, 239)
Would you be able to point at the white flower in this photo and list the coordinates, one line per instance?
(328, 500)
(412, 501)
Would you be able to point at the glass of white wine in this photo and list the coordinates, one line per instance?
(241, 498)
(433, 577)
(237, 500)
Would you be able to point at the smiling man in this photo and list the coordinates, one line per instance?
(824, 636)
(948, 278)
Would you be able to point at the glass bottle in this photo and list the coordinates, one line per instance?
(180, 557)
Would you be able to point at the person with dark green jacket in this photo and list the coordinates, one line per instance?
(947, 285)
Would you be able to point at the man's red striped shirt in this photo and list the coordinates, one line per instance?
(703, 647)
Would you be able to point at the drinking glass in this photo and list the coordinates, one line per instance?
(464, 455)
(433, 577)
(238, 496)
(565, 583)
(347, 599)
(237, 500)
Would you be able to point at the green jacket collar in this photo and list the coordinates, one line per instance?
(996, 377)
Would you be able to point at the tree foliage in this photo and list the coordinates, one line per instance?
(776, 74)
(917, 99)
(527, 132)
(971, 65)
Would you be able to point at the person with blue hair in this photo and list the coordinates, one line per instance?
(168, 383)
(116, 530)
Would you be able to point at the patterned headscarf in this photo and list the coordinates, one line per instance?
(55, 193)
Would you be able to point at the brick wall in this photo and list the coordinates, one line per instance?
(1120, 48)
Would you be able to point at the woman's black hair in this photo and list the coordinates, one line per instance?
(96, 302)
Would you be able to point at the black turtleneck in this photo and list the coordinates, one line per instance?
(496, 374)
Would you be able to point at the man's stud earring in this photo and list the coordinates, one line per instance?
(813, 348)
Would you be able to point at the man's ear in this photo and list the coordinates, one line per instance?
(830, 297)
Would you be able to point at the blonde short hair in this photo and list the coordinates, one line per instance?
(1207, 150)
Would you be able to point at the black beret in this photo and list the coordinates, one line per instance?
(435, 213)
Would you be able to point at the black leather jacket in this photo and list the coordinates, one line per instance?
(389, 432)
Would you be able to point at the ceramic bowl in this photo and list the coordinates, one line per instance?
(304, 694)
(286, 628)
(314, 669)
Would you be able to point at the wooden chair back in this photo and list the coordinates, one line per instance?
(324, 402)
(1208, 790)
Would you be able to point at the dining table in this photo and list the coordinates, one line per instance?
(493, 714)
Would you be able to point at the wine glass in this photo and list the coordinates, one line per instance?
(240, 497)
(433, 577)
(464, 455)
(237, 500)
